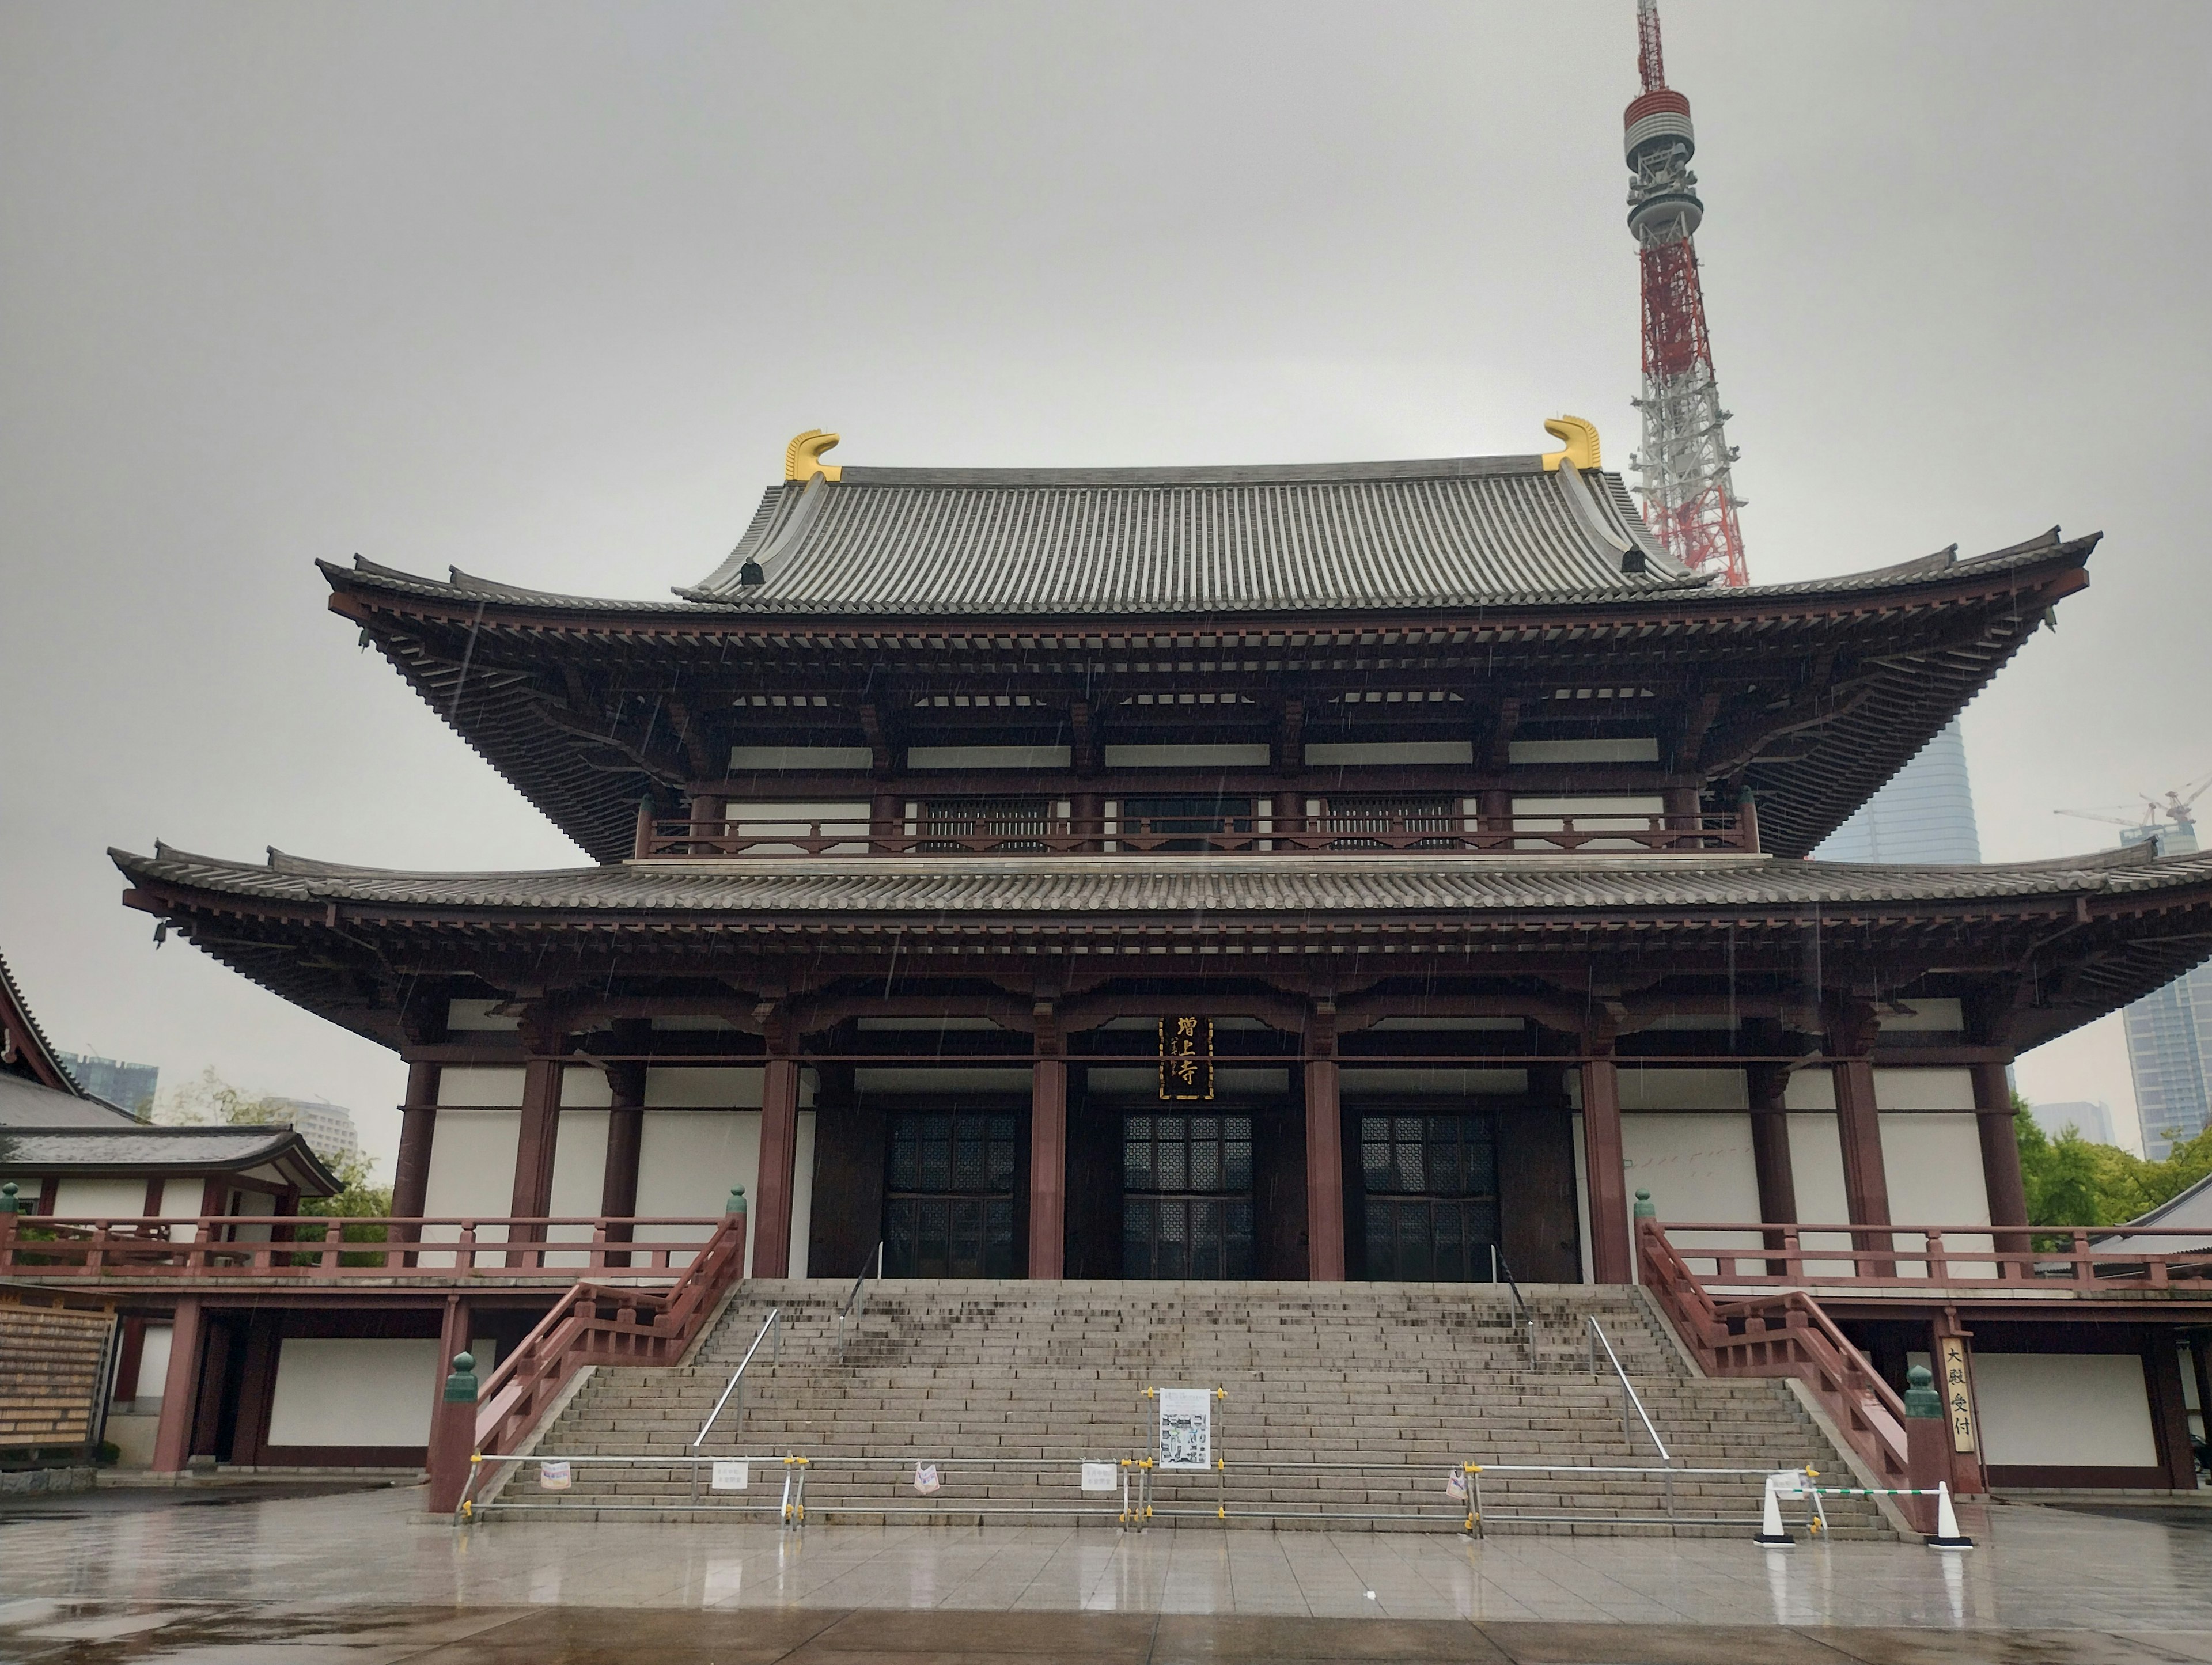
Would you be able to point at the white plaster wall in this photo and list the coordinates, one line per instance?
(722, 1087)
(687, 1162)
(108, 1199)
(474, 1083)
(1809, 1089)
(1656, 1088)
(1933, 1163)
(154, 1363)
(471, 1172)
(345, 1391)
(584, 1088)
(580, 1168)
(2086, 1410)
(181, 1196)
(1697, 1167)
(1923, 1089)
(1816, 1169)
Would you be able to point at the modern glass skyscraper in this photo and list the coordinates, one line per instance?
(2170, 1034)
(1924, 815)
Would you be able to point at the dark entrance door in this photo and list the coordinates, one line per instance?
(948, 1195)
(1431, 1201)
(1187, 1196)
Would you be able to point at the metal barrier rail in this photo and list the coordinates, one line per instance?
(737, 1385)
(1667, 1476)
(947, 1468)
(791, 1508)
(1629, 1396)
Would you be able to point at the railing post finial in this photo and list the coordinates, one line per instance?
(8, 1203)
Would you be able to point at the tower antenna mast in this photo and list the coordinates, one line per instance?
(1689, 498)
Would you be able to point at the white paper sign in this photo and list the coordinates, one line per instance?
(925, 1478)
(1100, 1476)
(553, 1476)
(1186, 1428)
(732, 1473)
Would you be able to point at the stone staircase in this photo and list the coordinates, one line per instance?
(1423, 1377)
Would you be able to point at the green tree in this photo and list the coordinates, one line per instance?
(2072, 1181)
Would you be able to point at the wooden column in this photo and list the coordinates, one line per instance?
(418, 1127)
(2000, 1175)
(257, 1390)
(1088, 811)
(173, 1434)
(1866, 1180)
(886, 817)
(1047, 1149)
(1288, 812)
(534, 1148)
(779, 1153)
(2169, 1410)
(1769, 1155)
(1611, 1255)
(625, 1135)
(1324, 1149)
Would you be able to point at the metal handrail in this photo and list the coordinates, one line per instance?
(772, 1321)
(1597, 1339)
(1499, 1263)
(855, 1305)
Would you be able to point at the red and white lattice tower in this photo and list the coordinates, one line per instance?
(1689, 501)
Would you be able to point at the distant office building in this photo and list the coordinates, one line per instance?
(1926, 814)
(2170, 1033)
(328, 1128)
(127, 1086)
(2092, 1118)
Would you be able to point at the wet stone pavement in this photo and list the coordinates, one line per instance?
(354, 1579)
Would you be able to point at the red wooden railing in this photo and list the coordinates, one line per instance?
(594, 1324)
(2041, 1258)
(311, 1249)
(1352, 831)
(1782, 1335)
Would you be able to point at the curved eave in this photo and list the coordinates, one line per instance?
(347, 943)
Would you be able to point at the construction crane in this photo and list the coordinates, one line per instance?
(2174, 809)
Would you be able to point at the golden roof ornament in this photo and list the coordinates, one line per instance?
(1580, 435)
(802, 458)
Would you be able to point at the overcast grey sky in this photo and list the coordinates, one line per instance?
(541, 290)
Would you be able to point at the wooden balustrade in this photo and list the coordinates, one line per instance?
(222, 1248)
(1785, 1334)
(595, 1324)
(1971, 1257)
(1352, 831)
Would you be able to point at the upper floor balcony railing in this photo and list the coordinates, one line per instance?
(294, 1248)
(1357, 832)
(1843, 1259)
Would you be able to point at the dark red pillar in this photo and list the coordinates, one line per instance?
(1866, 1179)
(173, 1435)
(418, 1126)
(1048, 1167)
(778, 1155)
(1612, 1259)
(1324, 1149)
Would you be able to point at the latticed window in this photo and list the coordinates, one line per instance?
(1187, 1196)
(1348, 817)
(1014, 824)
(949, 1202)
(1190, 824)
(1431, 1185)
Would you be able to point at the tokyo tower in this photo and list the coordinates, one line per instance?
(1689, 501)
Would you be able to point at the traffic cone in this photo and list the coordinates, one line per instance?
(1770, 1531)
(1948, 1535)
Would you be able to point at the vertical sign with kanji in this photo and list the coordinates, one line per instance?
(1186, 1059)
(1958, 1399)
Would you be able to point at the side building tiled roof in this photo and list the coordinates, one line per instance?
(136, 1149)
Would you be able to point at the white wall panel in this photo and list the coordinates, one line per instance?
(109, 1198)
(584, 1088)
(499, 1085)
(471, 1172)
(687, 1162)
(1933, 1163)
(719, 1087)
(1923, 1089)
(348, 1391)
(580, 1169)
(1697, 1167)
(181, 1196)
(154, 1363)
(1654, 1088)
(1816, 1169)
(2080, 1410)
(1813, 1089)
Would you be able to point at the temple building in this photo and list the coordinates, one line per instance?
(1375, 870)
